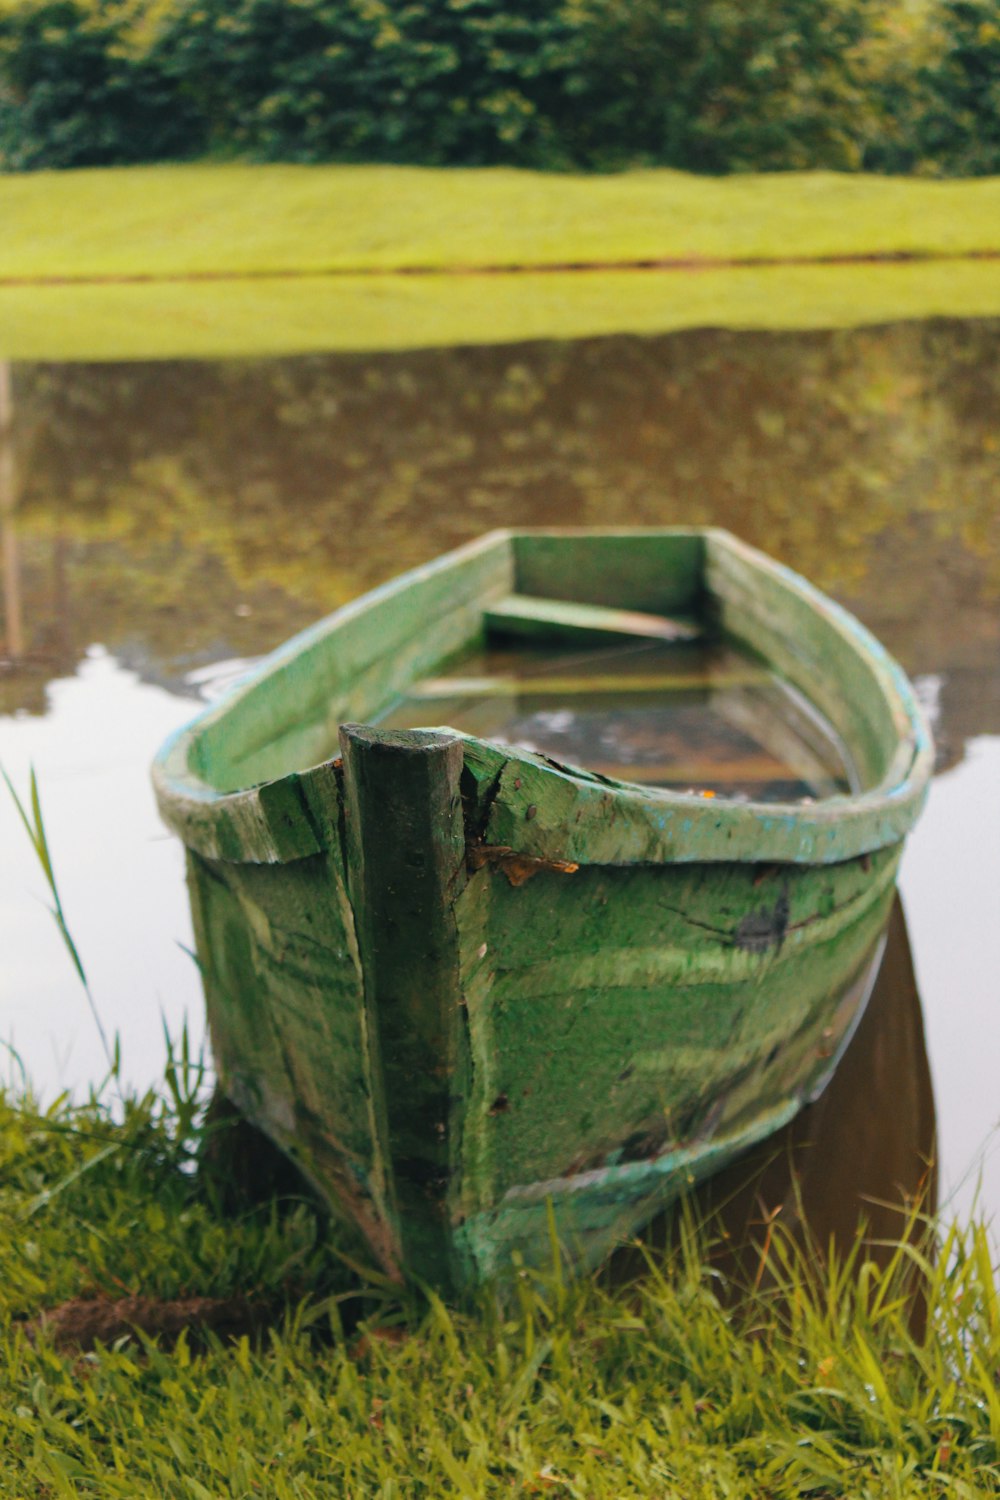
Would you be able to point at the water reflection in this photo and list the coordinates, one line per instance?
(190, 516)
(950, 881)
(178, 512)
(121, 880)
(696, 716)
(13, 619)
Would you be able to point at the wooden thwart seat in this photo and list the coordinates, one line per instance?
(552, 619)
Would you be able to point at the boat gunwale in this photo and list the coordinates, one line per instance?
(268, 822)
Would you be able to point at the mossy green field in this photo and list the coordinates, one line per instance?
(104, 264)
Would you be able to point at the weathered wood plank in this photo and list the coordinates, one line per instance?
(629, 996)
(406, 867)
(210, 777)
(347, 665)
(701, 775)
(268, 824)
(560, 619)
(285, 1003)
(821, 650)
(604, 683)
(657, 570)
(537, 807)
(754, 594)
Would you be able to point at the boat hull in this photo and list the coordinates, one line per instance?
(485, 999)
(570, 1050)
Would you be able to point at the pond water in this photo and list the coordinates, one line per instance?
(701, 716)
(173, 521)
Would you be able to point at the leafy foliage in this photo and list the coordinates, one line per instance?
(708, 85)
(959, 128)
(718, 86)
(73, 95)
(462, 81)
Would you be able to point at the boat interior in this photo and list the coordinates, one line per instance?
(673, 659)
(701, 715)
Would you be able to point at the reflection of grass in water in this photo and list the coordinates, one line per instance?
(173, 320)
(866, 459)
(808, 1380)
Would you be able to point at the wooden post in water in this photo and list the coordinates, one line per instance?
(14, 624)
(405, 846)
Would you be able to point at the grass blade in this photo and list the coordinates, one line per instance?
(35, 828)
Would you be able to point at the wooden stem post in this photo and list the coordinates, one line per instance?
(405, 844)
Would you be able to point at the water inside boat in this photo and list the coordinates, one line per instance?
(702, 716)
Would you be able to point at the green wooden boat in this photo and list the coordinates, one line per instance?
(540, 882)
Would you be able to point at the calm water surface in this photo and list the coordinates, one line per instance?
(699, 716)
(174, 521)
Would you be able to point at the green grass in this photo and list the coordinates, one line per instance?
(273, 232)
(235, 220)
(668, 1387)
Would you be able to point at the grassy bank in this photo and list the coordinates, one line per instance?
(241, 220)
(96, 264)
(812, 1382)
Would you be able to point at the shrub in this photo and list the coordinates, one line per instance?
(706, 85)
(73, 93)
(434, 81)
(721, 85)
(958, 128)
